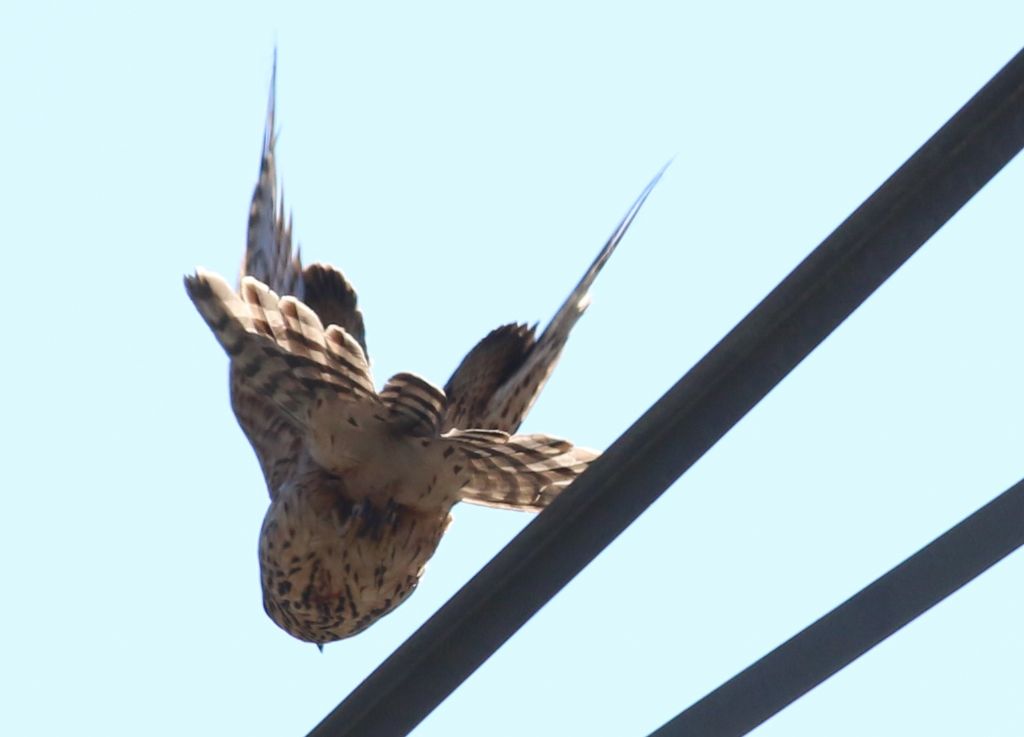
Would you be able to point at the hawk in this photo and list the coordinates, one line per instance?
(362, 482)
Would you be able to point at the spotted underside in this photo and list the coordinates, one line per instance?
(330, 567)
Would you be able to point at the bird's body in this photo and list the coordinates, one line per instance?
(362, 482)
(333, 561)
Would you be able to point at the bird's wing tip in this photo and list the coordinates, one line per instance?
(268, 131)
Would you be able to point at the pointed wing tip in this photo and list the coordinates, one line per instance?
(627, 219)
(661, 172)
(616, 236)
(268, 131)
(643, 195)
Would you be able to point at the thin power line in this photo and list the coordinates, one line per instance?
(858, 624)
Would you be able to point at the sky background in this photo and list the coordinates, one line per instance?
(463, 163)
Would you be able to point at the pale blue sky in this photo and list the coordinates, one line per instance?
(462, 164)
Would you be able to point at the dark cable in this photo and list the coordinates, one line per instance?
(712, 397)
(858, 624)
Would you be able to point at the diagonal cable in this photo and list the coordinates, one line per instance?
(712, 397)
(858, 624)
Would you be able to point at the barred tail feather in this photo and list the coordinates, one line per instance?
(515, 472)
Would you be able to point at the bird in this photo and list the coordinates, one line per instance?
(362, 482)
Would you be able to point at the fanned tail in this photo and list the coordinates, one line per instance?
(279, 348)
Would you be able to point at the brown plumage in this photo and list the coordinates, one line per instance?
(362, 482)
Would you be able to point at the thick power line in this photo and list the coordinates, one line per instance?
(712, 397)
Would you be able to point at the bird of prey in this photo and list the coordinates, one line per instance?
(362, 481)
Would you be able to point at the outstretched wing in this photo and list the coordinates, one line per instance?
(270, 258)
(524, 472)
(499, 380)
